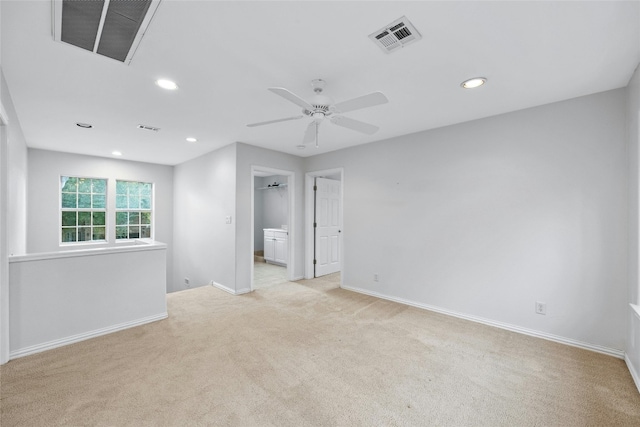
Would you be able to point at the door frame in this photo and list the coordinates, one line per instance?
(308, 219)
(290, 220)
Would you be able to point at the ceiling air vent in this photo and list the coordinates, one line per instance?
(145, 127)
(398, 34)
(112, 28)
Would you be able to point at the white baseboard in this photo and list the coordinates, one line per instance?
(84, 336)
(562, 340)
(295, 279)
(634, 373)
(231, 291)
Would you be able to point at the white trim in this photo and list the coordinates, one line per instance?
(84, 336)
(229, 290)
(636, 309)
(632, 370)
(513, 328)
(139, 245)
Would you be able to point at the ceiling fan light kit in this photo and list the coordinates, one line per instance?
(321, 107)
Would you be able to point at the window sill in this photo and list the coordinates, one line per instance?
(636, 309)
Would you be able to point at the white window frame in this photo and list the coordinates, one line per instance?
(62, 209)
(151, 210)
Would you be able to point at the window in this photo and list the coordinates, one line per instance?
(83, 209)
(133, 209)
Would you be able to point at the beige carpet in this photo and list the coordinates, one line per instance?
(311, 354)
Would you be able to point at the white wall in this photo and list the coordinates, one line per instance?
(484, 218)
(13, 206)
(275, 206)
(65, 297)
(248, 156)
(633, 132)
(258, 226)
(45, 169)
(204, 195)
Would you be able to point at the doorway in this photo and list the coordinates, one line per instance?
(272, 219)
(324, 245)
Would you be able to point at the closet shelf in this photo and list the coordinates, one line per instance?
(272, 187)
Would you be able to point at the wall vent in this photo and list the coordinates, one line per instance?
(145, 127)
(398, 34)
(112, 28)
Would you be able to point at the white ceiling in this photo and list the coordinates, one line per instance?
(224, 56)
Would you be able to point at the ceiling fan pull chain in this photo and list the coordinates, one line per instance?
(316, 134)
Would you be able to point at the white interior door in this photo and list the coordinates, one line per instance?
(328, 226)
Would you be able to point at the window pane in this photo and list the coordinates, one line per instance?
(134, 232)
(134, 202)
(121, 218)
(69, 200)
(84, 234)
(145, 189)
(145, 202)
(99, 218)
(99, 186)
(145, 217)
(121, 232)
(69, 219)
(69, 184)
(99, 233)
(98, 201)
(134, 218)
(84, 218)
(84, 200)
(146, 232)
(121, 187)
(121, 202)
(68, 234)
(84, 185)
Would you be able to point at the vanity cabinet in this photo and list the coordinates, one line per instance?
(276, 245)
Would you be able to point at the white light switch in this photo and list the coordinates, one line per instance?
(228, 219)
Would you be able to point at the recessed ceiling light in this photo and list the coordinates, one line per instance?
(84, 125)
(190, 139)
(167, 84)
(116, 153)
(474, 82)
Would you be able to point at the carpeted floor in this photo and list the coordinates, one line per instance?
(312, 354)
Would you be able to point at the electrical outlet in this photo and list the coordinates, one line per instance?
(186, 282)
(227, 219)
(541, 307)
(376, 277)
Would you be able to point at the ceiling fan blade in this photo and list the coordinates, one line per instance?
(274, 121)
(310, 133)
(356, 125)
(290, 96)
(364, 101)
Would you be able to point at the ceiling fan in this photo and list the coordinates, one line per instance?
(322, 107)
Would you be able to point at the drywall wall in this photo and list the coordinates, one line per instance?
(270, 207)
(248, 156)
(64, 297)
(487, 217)
(275, 206)
(205, 194)
(633, 134)
(13, 205)
(258, 241)
(45, 169)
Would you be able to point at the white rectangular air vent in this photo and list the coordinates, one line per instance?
(398, 34)
(112, 28)
(145, 127)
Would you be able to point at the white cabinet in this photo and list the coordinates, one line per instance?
(276, 245)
